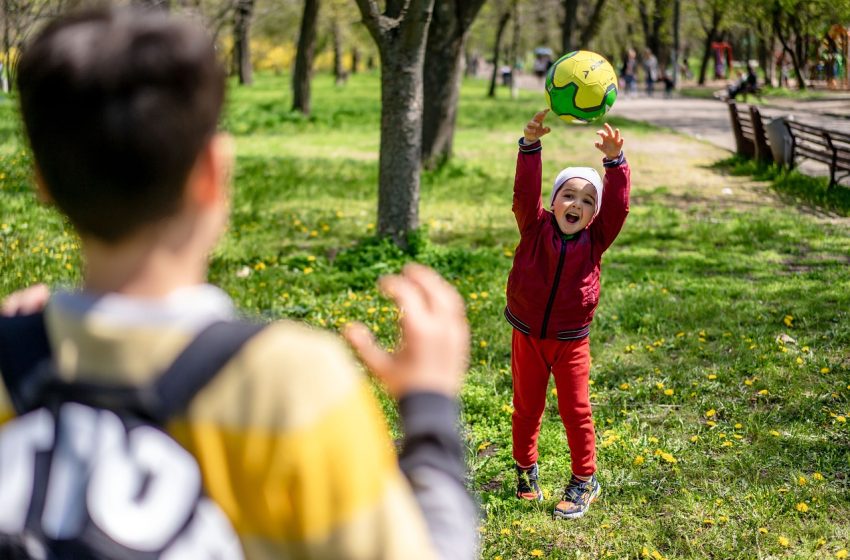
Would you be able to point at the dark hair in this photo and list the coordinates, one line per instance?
(118, 104)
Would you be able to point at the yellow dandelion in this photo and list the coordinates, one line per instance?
(711, 423)
(711, 376)
(311, 258)
(659, 385)
(644, 552)
(763, 392)
(508, 253)
(537, 553)
(748, 382)
(726, 443)
(554, 391)
(624, 386)
(784, 542)
(639, 460)
(669, 458)
(483, 344)
(824, 370)
(763, 530)
(802, 507)
(652, 439)
(484, 445)
(774, 433)
(657, 555)
(308, 270)
(694, 439)
(710, 413)
(668, 392)
(708, 521)
(507, 408)
(801, 480)
(505, 532)
(516, 523)
(841, 553)
(799, 361)
(788, 320)
(722, 519)
(817, 476)
(841, 419)
(473, 295)
(260, 266)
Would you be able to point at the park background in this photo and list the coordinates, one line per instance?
(721, 371)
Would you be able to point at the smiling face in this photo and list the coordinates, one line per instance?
(574, 205)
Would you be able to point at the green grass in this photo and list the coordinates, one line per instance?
(740, 309)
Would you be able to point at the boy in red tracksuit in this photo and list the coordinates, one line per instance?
(552, 293)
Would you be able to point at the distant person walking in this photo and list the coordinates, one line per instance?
(650, 67)
(629, 73)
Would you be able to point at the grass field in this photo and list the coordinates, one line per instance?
(721, 346)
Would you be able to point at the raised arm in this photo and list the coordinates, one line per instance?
(615, 194)
(527, 206)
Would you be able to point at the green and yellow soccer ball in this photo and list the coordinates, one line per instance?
(581, 86)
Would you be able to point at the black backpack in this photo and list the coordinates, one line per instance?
(87, 471)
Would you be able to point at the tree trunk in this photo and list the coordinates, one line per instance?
(593, 23)
(242, 41)
(355, 60)
(706, 55)
(442, 74)
(777, 27)
(303, 74)
(340, 76)
(568, 25)
(677, 43)
(500, 29)
(401, 33)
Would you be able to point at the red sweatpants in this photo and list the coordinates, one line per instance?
(532, 359)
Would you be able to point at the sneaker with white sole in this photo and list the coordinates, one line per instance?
(578, 495)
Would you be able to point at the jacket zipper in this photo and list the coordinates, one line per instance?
(554, 288)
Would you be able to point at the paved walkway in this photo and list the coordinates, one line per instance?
(708, 119)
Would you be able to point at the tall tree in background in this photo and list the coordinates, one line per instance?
(400, 33)
(497, 47)
(572, 25)
(19, 19)
(710, 14)
(303, 74)
(442, 75)
(653, 14)
(242, 14)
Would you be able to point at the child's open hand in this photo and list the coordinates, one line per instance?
(610, 142)
(534, 130)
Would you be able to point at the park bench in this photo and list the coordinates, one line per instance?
(819, 144)
(748, 127)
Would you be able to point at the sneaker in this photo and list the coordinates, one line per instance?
(526, 484)
(578, 495)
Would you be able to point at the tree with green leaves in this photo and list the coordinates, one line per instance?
(443, 72)
(400, 32)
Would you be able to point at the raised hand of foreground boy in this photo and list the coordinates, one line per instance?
(433, 353)
(535, 130)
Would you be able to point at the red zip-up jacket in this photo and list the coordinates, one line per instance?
(553, 287)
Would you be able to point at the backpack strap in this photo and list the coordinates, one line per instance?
(23, 345)
(196, 366)
(32, 381)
